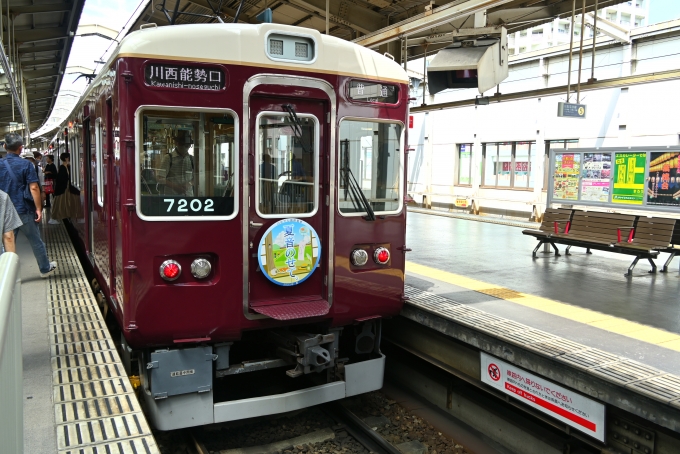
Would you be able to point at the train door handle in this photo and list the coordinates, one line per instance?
(256, 224)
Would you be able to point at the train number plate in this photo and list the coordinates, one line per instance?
(182, 373)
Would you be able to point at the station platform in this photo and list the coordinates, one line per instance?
(78, 398)
(581, 298)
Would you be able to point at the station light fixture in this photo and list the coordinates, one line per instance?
(200, 268)
(381, 256)
(359, 257)
(170, 270)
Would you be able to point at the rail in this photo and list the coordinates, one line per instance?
(11, 364)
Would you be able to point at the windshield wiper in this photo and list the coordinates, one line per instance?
(357, 195)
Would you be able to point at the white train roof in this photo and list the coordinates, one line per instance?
(244, 44)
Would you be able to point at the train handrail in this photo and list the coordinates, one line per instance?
(11, 361)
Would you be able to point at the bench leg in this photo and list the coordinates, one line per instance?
(557, 251)
(632, 265)
(588, 251)
(533, 254)
(566, 251)
(668, 262)
(653, 270)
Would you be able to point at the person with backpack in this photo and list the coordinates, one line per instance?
(19, 180)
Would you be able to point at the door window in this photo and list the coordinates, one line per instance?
(286, 167)
(187, 164)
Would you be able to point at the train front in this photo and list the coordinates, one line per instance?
(267, 238)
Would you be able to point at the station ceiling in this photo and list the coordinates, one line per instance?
(37, 38)
(379, 24)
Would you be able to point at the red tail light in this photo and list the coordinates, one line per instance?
(170, 270)
(381, 256)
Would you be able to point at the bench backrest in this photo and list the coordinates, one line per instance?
(653, 233)
(601, 227)
(676, 233)
(555, 214)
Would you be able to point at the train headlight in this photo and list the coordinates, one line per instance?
(359, 257)
(200, 268)
(381, 256)
(170, 270)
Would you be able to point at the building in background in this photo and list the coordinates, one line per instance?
(629, 15)
(495, 156)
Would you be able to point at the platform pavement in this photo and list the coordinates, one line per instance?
(583, 298)
(39, 432)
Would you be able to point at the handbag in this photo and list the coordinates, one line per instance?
(26, 190)
(67, 205)
(49, 187)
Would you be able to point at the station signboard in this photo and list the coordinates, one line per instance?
(566, 109)
(576, 410)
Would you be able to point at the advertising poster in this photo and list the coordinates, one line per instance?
(576, 410)
(663, 184)
(566, 176)
(595, 177)
(629, 178)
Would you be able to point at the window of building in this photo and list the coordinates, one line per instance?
(523, 33)
(464, 177)
(508, 164)
(566, 144)
(187, 167)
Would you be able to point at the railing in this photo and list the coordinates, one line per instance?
(11, 364)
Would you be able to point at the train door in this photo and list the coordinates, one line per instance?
(88, 164)
(98, 217)
(287, 224)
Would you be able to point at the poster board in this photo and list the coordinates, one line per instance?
(631, 178)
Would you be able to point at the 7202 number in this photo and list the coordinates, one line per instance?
(195, 205)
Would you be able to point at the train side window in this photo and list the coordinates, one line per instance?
(287, 163)
(99, 149)
(371, 161)
(187, 163)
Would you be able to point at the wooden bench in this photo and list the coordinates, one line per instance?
(640, 236)
(554, 220)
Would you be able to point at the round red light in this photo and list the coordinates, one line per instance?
(171, 270)
(381, 256)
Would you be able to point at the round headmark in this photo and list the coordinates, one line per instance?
(289, 252)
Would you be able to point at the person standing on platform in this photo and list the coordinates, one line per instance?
(20, 181)
(9, 221)
(51, 175)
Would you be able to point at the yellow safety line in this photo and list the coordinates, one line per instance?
(596, 319)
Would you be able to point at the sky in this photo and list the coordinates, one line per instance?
(85, 50)
(663, 10)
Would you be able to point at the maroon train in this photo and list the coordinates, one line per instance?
(243, 194)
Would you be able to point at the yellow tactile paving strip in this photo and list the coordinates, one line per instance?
(589, 317)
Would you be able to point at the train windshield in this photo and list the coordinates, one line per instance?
(370, 162)
(287, 156)
(187, 164)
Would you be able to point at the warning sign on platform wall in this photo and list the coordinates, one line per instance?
(580, 412)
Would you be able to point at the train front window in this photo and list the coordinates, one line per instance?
(287, 162)
(187, 164)
(370, 163)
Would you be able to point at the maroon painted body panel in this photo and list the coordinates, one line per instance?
(127, 251)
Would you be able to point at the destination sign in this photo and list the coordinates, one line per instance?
(187, 77)
(565, 109)
(373, 92)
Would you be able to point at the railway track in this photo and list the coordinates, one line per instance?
(340, 427)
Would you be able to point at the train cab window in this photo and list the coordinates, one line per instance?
(187, 165)
(370, 163)
(287, 163)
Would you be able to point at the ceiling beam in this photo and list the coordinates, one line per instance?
(37, 49)
(41, 73)
(42, 8)
(40, 62)
(38, 34)
(442, 15)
